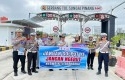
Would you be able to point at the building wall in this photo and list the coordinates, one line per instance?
(3, 36)
(11, 34)
(7, 33)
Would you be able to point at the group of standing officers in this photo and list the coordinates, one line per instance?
(23, 48)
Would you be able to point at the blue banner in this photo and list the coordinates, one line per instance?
(63, 57)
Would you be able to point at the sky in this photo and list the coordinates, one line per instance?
(20, 9)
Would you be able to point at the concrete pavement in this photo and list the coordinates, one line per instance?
(6, 71)
(44, 74)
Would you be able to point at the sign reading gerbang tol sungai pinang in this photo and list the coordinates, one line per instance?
(71, 8)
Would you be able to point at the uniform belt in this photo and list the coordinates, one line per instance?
(32, 51)
(104, 52)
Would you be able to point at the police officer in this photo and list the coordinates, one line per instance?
(40, 43)
(32, 53)
(91, 45)
(19, 43)
(103, 54)
(51, 42)
(62, 42)
(45, 39)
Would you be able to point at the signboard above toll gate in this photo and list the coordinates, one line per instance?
(94, 8)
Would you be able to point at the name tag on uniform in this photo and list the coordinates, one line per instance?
(21, 51)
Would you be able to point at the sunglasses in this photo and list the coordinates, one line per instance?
(50, 36)
(104, 37)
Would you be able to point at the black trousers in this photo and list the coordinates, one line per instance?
(32, 59)
(90, 59)
(101, 57)
(16, 58)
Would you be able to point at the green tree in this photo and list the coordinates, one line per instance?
(115, 39)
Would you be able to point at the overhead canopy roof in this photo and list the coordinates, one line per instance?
(25, 23)
(11, 24)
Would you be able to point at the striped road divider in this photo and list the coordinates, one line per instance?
(3, 48)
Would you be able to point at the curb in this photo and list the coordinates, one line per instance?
(3, 48)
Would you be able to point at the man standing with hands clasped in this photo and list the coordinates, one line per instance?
(19, 43)
(32, 47)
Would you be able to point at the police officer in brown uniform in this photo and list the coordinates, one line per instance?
(32, 46)
(91, 45)
(19, 43)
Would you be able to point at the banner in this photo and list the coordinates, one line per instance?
(71, 8)
(78, 45)
(63, 57)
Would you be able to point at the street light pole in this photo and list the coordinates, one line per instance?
(31, 13)
(116, 7)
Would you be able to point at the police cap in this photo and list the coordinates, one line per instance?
(32, 34)
(103, 34)
(19, 30)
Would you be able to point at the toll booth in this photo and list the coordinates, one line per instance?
(107, 20)
(107, 23)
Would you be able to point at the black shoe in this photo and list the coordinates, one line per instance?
(73, 69)
(65, 69)
(92, 68)
(35, 71)
(60, 69)
(88, 67)
(29, 73)
(15, 74)
(99, 72)
(23, 72)
(37, 67)
(50, 69)
(106, 74)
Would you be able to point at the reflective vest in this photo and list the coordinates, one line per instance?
(91, 44)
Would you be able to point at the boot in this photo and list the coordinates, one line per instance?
(88, 67)
(92, 68)
(50, 69)
(106, 74)
(34, 71)
(29, 73)
(15, 74)
(99, 72)
(23, 71)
